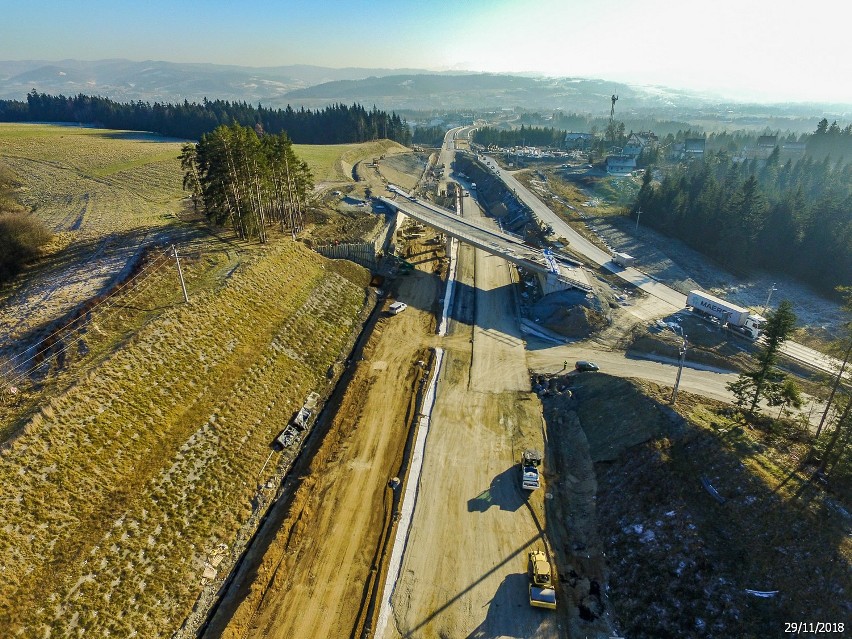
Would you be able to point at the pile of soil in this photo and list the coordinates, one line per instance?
(585, 427)
(577, 321)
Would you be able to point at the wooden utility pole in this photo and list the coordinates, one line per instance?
(180, 274)
(837, 381)
(679, 370)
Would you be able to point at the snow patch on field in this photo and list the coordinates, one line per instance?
(674, 263)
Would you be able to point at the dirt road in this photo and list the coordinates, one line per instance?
(329, 566)
(464, 569)
(707, 382)
(321, 557)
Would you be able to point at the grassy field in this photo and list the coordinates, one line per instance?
(334, 162)
(93, 180)
(102, 181)
(133, 461)
(106, 194)
(119, 489)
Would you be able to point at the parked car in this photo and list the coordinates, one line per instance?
(583, 366)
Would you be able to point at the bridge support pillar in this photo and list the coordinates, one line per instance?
(550, 283)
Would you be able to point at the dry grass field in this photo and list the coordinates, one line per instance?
(106, 194)
(119, 489)
(134, 465)
(92, 180)
(334, 162)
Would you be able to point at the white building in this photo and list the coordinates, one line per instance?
(620, 164)
(637, 142)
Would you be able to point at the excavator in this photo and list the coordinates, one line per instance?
(542, 592)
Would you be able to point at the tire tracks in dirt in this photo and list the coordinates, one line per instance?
(320, 550)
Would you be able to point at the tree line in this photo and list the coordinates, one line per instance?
(524, 135)
(830, 443)
(826, 140)
(792, 217)
(247, 181)
(428, 135)
(831, 140)
(335, 124)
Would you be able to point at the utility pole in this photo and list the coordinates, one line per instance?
(772, 289)
(612, 118)
(638, 213)
(679, 370)
(837, 381)
(180, 274)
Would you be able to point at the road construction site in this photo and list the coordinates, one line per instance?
(462, 557)
(404, 511)
(408, 518)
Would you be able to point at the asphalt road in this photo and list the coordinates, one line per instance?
(671, 300)
(701, 381)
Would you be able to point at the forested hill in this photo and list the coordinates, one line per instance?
(794, 217)
(335, 124)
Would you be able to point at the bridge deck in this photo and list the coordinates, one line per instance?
(509, 247)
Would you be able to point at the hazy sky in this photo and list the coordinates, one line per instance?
(755, 49)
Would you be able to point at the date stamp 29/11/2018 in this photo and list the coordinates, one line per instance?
(813, 627)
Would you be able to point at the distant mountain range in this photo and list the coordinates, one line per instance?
(389, 89)
(125, 80)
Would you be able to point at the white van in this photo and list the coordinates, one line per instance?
(397, 307)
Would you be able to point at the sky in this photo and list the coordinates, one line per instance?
(765, 50)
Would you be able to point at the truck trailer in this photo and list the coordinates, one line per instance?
(735, 317)
(623, 259)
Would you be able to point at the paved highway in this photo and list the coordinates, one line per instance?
(671, 299)
(586, 248)
(490, 240)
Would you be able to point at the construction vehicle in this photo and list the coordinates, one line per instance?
(400, 263)
(530, 461)
(542, 592)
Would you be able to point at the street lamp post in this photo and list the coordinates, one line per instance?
(638, 213)
(772, 289)
(679, 370)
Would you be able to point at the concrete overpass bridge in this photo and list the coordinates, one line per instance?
(554, 273)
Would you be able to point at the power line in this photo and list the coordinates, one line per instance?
(115, 291)
(23, 374)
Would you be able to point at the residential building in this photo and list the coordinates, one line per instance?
(693, 148)
(638, 142)
(765, 145)
(578, 140)
(620, 164)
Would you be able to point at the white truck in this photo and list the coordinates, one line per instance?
(734, 317)
(623, 259)
(397, 307)
(530, 461)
